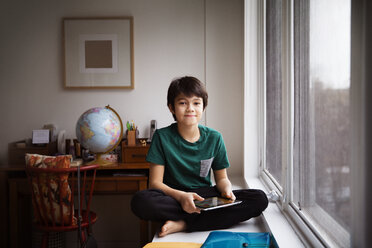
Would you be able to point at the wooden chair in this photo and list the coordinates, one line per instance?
(53, 191)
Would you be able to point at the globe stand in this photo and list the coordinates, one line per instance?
(100, 161)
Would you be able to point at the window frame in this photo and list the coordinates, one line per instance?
(306, 228)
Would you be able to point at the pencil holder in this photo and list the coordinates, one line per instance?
(131, 137)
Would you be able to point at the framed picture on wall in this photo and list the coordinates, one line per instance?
(98, 52)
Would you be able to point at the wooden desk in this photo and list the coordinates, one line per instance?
(15, 198)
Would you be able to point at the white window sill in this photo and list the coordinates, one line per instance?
(275, 221)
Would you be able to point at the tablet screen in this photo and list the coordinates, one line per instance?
(214, 203)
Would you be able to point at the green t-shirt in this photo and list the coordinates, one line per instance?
(187, 165)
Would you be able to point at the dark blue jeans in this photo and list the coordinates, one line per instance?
(154, 205)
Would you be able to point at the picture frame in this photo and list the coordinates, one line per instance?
(98, 52)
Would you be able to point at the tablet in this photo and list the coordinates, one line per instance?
(214, 203)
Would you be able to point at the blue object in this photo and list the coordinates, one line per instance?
(222, 239)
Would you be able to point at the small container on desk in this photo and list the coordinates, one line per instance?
(131, 137)
(135, 156)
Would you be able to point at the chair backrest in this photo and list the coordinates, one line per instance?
(53, 192)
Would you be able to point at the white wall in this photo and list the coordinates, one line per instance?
(172, 38)
(168, 42)
(225, 75)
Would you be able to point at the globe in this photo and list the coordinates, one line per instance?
(99, 130)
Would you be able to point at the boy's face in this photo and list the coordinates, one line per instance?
(188, 110)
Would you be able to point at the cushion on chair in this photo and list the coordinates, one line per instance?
(59, 186)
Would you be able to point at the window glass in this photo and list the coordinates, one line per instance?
(273, 88)
(320, 176)
(322, 122)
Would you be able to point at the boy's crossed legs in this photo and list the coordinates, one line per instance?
(154, 205)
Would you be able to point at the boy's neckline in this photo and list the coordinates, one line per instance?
(195, 140)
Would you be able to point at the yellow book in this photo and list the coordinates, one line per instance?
(172, 245)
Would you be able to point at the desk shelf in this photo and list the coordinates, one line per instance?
(123, 166)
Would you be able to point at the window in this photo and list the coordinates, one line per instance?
(273, 90)
(307, 134)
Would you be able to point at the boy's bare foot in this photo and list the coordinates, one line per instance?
(171, 227)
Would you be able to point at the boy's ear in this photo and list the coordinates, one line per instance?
(171, 108)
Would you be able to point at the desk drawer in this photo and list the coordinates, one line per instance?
(128, 184)
(135, 154)
(104, 186)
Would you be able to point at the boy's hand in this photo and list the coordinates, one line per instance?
(223, 184)
(229, 195)
(187, 202)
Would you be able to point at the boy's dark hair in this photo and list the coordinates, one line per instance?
(189, 86)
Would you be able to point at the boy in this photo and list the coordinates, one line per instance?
(182, 156)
